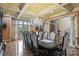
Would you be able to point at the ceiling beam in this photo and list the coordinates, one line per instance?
(21, 5)
(9, 5)
(5, 15)
(10, 9)
(62, 5)
(64, 15)
(26, 12)
(56, 15)
(30, 13)
(22, 10)
(75, 9)
(51, 8)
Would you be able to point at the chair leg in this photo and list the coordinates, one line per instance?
(4, 47)
(65, 53)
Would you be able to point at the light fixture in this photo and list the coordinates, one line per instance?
(36, 19)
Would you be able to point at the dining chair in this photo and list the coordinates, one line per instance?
(37, 50)
(45, 35)
(60, 49)
(52, 37)
(24, 38)
(29, 41)
(40, 35)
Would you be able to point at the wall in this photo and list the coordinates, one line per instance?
(77, 28)
(6, 32)
(68, 24)
(64, 24)
(13, 25)
(47, 26)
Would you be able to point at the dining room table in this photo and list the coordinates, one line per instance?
(47, 43)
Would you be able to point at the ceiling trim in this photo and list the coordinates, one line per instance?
(61, 13)
(23, 9)
(30, 13)
(62, 5)
(76, 9)
(64, 15)
(50, 8)
(4, 7)
(5, 15)
(12, 6)
(9, 6)
(46, 10)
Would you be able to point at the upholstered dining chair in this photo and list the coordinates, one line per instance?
(45, 35)
(29, 41)
(40, 35)
(37, 51)
(25, 39)
(61, 48)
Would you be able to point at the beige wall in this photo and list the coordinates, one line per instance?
(13, 25)
(64, 24)
(47, 26)
(77, 28)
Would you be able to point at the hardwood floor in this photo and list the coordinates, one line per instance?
(16, 48)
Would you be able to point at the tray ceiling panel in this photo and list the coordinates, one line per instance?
(37, 7)
(26, 16)
(9, 12)
(54, 12)
(14, 6)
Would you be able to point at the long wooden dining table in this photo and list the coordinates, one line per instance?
(46, 43)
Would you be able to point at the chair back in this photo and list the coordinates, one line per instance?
(34, 38)
(52, 36)
(45, 35)
(65, 41)
(25, 36)
(29, 37)
(40, 35)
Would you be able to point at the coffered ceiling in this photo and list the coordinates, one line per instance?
(45, 10)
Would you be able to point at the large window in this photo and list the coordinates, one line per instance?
(22, 25)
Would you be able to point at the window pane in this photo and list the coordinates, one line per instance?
(16, 21)
(25, 22)
(20, 25)
(20, 22)
(28, 23)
